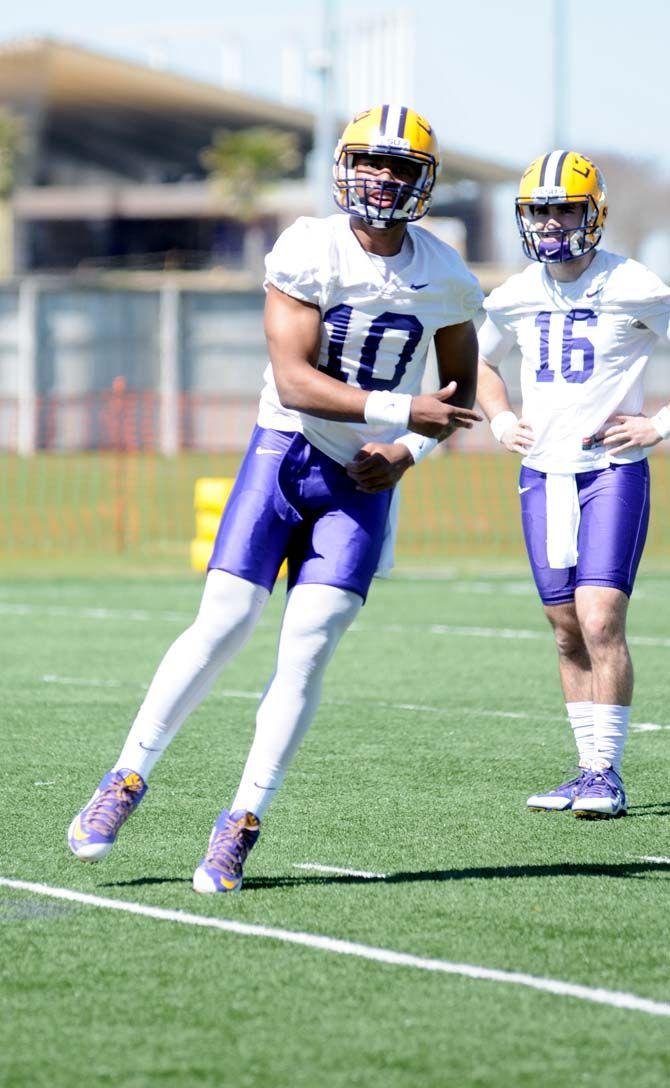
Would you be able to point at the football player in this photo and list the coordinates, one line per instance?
(585, 321)
(353, 303)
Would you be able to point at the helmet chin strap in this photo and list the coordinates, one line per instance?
(382, 224)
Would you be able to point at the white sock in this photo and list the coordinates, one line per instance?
(229, 611)
(315, 619)
(610, 726)
(580, 716)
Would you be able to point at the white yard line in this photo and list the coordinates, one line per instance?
(642, 727)
(313, 866)
(232, 693)
(456, 630)
(597, 995)
(9, 608)
(656, 861)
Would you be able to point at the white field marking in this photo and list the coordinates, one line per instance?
(315, 867)
(656, 861)
(8, 608)
(79, 681)
(433, 629)
(45, 783)
(459, 631)
(231, 693)
(647, 727)
(614, 998)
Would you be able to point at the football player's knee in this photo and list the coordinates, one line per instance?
(601, 631)
(311, 633)
(569, 641)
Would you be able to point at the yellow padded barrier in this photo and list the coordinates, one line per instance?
(210, 496)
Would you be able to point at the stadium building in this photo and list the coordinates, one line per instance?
(111, 173)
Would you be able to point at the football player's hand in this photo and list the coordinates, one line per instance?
(629, 433)
(379, 465)
(431, 414)
(519, 438)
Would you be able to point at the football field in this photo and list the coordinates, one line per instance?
(404, 920)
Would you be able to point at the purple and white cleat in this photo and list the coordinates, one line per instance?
(601, 796)
(93, 831)
(233, 836)
(561, 799)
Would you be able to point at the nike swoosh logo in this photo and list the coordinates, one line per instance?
(275, 453)
(596, 291)
(522, 490)
(259, 787)
(150, 749)
(77, 833)
(418, 286)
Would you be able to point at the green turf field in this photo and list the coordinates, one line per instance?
(441, 713)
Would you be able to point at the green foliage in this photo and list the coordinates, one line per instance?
(11, 134)
(241, 164)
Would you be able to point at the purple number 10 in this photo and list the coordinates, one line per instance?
(570, 344)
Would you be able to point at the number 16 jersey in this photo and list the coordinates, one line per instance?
(376, 328)
(584, 346)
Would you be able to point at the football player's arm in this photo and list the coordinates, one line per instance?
(515, 434)
(456, 351)
(293, 331)
(624, 432)
(378, 467)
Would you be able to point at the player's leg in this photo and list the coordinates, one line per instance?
(315, 619)
(574, 667)
(602, 613)
(556, 591)
(330, 572)
(228, 613)
(615, 515)
(249, 548)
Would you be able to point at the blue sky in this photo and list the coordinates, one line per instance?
(483, 73)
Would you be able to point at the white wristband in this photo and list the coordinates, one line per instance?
(418, 445)
(382, 407)
(502, 422)
(661, 422)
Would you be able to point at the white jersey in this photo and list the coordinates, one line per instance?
(584, 346)
(376, 329)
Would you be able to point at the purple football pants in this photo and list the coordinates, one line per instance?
(614, 505)
(291, 501)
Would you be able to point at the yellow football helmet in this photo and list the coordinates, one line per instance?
(386, 130)
(561, 177)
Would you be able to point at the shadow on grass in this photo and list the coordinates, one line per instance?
(656, 808)
(621, 871)
(146, 881)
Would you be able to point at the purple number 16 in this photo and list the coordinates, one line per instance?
(570, 344)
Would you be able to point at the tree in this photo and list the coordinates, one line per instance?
(638, 197)
(242, 164)
(11, 137)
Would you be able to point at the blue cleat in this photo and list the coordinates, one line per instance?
(93, 831)
(561, 799)
(233, 836)
(601, 796)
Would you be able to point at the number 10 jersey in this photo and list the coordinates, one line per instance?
(376, 329)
